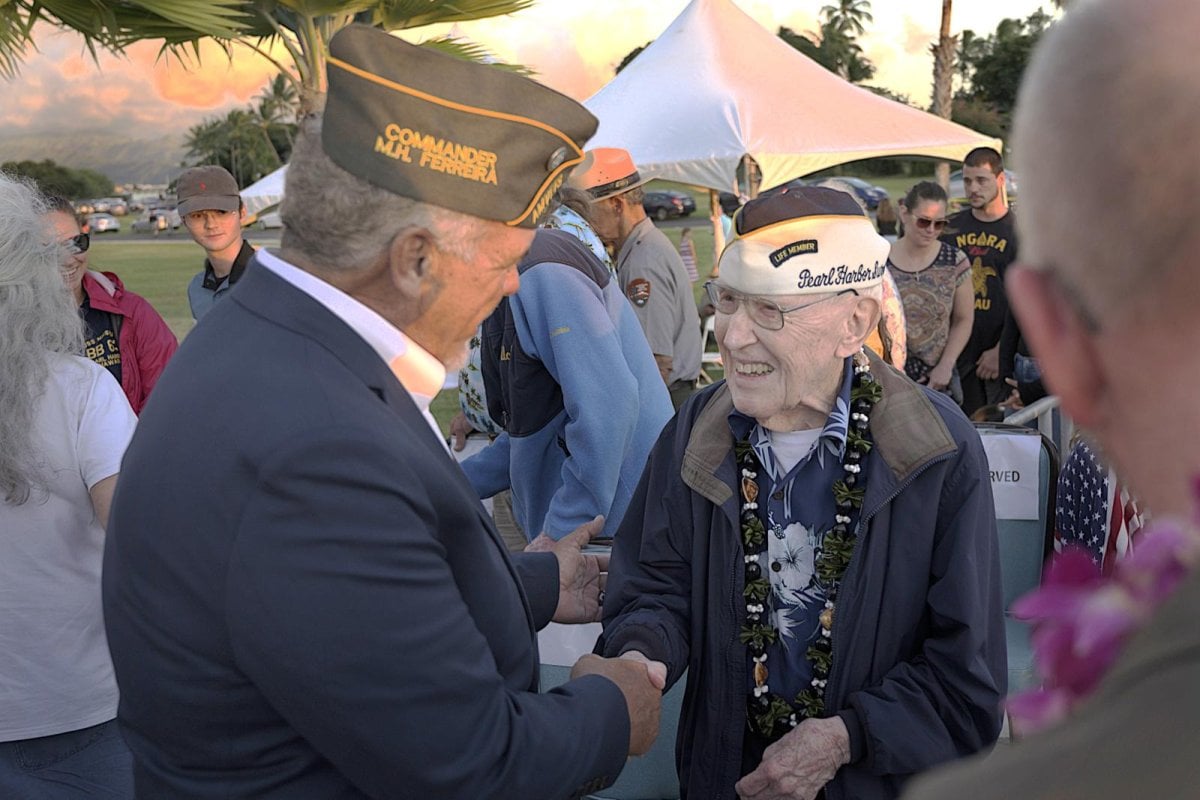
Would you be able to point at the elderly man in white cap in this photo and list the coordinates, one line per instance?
(813, 538)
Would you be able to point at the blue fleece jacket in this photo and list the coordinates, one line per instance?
(572, 380)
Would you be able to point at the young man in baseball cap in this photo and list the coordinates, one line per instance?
(211, 207)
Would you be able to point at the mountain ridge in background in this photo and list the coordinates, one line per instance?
(123, 158)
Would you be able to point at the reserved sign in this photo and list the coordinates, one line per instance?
(1013, 466)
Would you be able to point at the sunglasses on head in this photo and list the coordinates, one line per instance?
(78, 243)
(926, 222)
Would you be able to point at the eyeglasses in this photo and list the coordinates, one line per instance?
(78, 243)
(926, 222)
(762, 312)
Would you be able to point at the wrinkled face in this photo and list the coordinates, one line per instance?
(926, 222)
(606, 219)
(467, 291)
(980, 185)
(772, 374)
(73, 264)
(214, 230)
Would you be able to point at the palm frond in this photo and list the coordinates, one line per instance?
(471, 51)
(394, 15)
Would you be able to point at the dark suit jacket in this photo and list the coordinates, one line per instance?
(305, 599)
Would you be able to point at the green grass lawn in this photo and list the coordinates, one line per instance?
(160, 271)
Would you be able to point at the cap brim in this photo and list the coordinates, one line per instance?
(210, 202)
(622, 190)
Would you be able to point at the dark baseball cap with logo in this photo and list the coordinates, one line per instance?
(205, 188)
(465, 136)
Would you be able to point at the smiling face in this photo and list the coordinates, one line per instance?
(73, 264)
(787, 378)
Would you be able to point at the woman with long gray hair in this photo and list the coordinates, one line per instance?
(64, 425)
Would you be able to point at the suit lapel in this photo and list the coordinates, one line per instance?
(264, 293)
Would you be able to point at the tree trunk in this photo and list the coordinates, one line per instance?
(943, 81)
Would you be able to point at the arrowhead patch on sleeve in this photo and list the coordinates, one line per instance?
(638, 291)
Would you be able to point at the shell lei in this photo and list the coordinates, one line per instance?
(769, 714)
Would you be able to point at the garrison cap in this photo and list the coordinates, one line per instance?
(805, 240)
(464, 136)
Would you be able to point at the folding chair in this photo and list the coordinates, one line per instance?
(1024, 546)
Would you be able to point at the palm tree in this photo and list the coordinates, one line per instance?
(847, 16)
(302, 28)
(943, 81)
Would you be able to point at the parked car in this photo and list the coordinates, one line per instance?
(84, 207)
(868, 193)
(151, 223)
(958, 192)
(174, 221)
(667, 204)
(103, 223)
(270, 220)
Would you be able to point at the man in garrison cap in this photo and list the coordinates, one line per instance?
(303, 596)
(813, 539)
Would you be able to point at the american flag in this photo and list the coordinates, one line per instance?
(1093, 510)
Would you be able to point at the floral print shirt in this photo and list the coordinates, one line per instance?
(797, 510)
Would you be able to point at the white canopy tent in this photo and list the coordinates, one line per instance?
(716, 86)
(264, 195)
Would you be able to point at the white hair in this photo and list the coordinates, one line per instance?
(37, 318)
(341, 222)
(1105, 128)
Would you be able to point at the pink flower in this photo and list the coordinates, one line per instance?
(1081, 620)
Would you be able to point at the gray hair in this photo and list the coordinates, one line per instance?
(341, 222)
(37, 318)
(1112, 212)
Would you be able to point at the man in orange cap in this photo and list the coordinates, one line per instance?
(649, 269)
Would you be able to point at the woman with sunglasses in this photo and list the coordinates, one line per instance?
(935, 287)
(124, 334)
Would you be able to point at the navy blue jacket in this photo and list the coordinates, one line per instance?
(305, 599)
(919, 666)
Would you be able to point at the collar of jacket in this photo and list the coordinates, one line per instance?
(102, 289)
(636, 234)
(907, 430)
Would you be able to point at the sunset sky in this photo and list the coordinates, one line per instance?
(572, 44)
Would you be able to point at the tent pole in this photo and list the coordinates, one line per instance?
(714, 207)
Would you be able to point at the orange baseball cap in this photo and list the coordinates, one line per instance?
(604, 172)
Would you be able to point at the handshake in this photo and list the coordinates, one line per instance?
(642, 682)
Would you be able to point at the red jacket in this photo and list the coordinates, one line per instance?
(145, 341)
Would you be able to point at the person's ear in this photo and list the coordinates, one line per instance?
(410, 257)
(1061, 341)
(859, 323)
(242, 213)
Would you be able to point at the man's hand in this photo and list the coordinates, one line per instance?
(800, 764)
(987, 366)
(656, 669)
(642, 698)
(460, 429)
(581, 576)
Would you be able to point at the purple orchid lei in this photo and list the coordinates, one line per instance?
(1082, 620)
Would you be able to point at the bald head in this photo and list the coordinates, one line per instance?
(1106, 124)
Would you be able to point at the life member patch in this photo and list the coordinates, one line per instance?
(439, 155)
(800, 248)
(638, 291)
